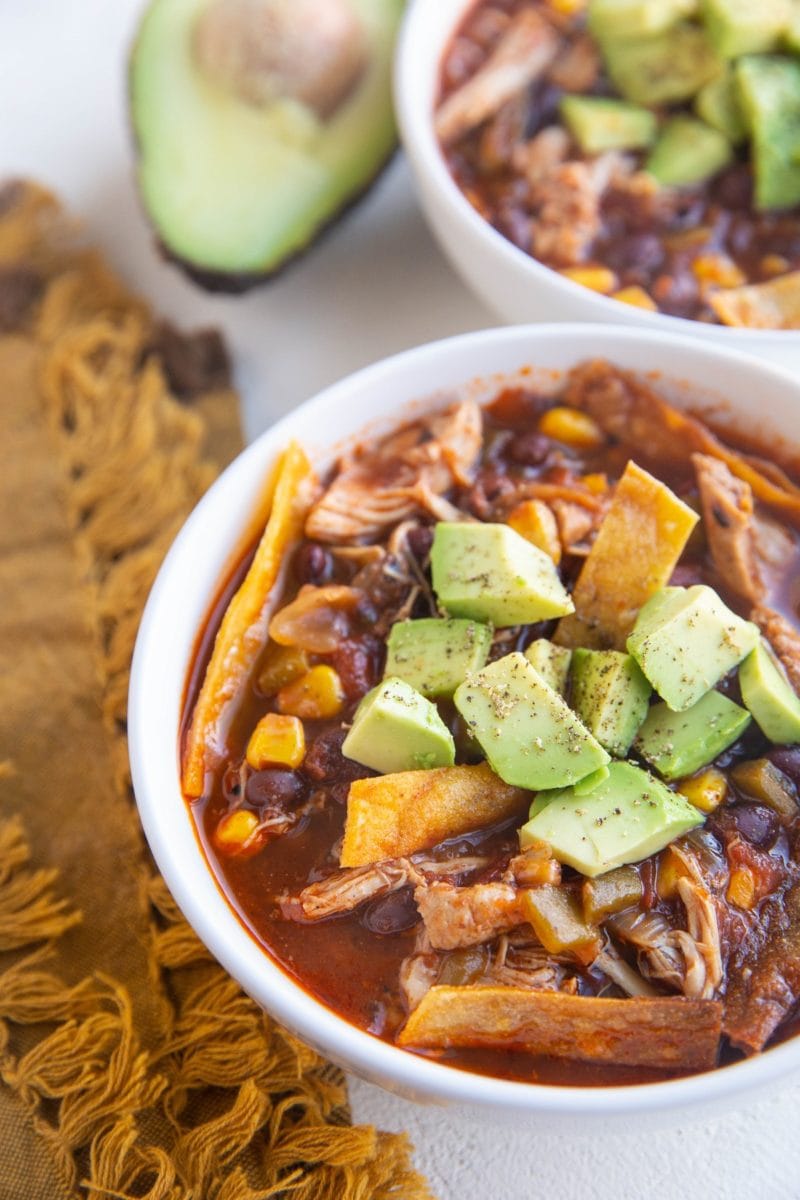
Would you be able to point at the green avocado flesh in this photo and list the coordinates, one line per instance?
(234, 189)
(628, 816)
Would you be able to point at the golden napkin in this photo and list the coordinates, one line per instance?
(131, 1064)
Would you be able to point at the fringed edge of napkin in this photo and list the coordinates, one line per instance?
(100, 1101)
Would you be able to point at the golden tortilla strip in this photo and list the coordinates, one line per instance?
(243, 630)
(668, 1032)
(635, 415)
(637, 547)
(771, 305)
(393, 815)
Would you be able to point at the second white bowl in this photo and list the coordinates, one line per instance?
(516, 286)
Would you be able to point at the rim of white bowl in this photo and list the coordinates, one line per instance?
(190, 877)
(419, 140)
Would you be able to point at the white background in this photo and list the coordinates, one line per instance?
(376, 285)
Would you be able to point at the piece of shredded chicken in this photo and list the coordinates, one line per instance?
(687, 961)
(349, 888)
(566, 203)
(375, 491)
(749, 551)
(524, 52)
(465, 916)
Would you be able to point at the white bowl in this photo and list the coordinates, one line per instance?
(187, 585)
(516, 286)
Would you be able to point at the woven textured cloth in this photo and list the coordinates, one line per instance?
(131, 1064)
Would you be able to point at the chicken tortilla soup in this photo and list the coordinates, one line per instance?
(493, 739)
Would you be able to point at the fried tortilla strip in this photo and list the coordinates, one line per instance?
(764, 986)
(637, 547)
(661, 1031)
(634, 415)
(771, 305)
(243, 630)
(393, 815)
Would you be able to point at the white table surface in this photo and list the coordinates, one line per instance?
(376, 285)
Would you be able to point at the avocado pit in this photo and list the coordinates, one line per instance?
(310, 51)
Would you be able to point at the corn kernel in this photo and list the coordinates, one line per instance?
(596, 483)
(277, 741)
(282, 665)
(571, 426)
(314, 696)
(773, 265)
(596, 279)
(705, 791)
(741, 888)
(534, 520)
(636, 296)
(567, 8)
(719, 270)
(237, 832)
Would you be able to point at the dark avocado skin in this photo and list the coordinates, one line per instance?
(232, 283)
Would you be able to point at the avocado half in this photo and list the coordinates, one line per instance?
(236, 189)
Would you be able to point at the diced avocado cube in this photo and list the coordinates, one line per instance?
(610, 695)
(680, 743)
(599, 123)
(718, 105)
(628, 817)
(770, 697)
(769, 93)
(623, 19)
(685, 640)
(688, 152)
(665, 69)
(490, 573)
(791, 34)
(527, 732)
(397, 729)
(552, 662)
(435, 655)
(737, 27)
(590, 782)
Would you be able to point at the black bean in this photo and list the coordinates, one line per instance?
(313, 564)
(420, 540)
(786, 759)
(756, 823)
(529, 449)
(391, 914)
(274, 787)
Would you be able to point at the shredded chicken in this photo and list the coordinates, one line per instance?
(567, 208)
(612, 964)
(533, 867)
(576, 69)
(542, 154)
(688, 961)
(748, 550)
(566, 204)
(465, 916)
(349, 888)
(381, 489)
(728, 522)
(419, 971)
(520, 961)
(576, 525)
(525, 50)
(783, 637)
